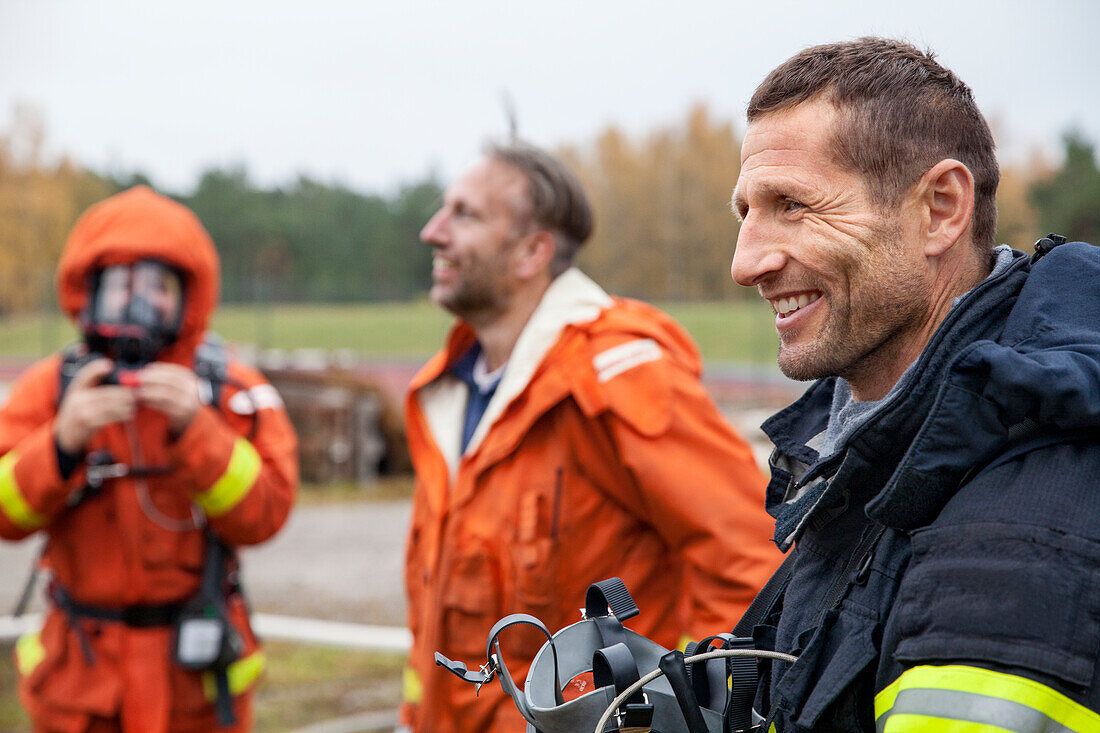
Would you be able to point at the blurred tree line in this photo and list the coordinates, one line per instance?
(313, 241)
(664, 229)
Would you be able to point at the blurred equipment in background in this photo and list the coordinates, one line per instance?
(349, 429)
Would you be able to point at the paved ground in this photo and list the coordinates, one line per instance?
(340, 563)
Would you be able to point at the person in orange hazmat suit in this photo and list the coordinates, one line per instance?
(145, 455)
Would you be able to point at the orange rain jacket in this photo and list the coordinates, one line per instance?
(236, 461)
(599, 455)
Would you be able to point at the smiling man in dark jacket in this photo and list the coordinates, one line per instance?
(938, 483)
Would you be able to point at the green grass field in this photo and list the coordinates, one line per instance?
(730, 331)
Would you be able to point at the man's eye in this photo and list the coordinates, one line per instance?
(792, 205)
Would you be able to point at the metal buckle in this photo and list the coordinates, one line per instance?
(619, 714)
(112, 470)
(489, 669)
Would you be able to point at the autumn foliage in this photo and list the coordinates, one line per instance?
(664, 230)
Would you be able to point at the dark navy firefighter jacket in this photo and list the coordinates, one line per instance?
(980, 601)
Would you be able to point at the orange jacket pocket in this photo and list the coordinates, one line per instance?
(471, 603)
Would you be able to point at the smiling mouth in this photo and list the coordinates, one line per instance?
(785, 306)
(440, 264)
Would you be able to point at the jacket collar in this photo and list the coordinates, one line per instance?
(1039, 368)
(572, 299)
(879, 454)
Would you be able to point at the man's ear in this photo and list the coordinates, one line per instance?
(946, 197)
(536, 250)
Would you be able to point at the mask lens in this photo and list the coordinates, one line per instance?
(160, 290)
(147, 294)
(113, 294)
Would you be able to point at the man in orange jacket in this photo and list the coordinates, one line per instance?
(145, 455)
(560, 437)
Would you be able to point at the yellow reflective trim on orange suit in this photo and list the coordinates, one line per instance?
(241, 473)
(29, 652)
(12, 502)
(242, 674)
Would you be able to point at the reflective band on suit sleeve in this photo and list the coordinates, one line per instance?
(227, 492)
(960, 698)
(624, 357)
(242, 674)
(413, 691)
(29, 653)
(12, 502)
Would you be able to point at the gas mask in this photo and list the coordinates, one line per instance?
(135, 311)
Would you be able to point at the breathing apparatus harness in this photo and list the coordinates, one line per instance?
(707, 690)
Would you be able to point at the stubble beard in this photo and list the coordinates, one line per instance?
(471, 302)
(478, 296)
(865, 327)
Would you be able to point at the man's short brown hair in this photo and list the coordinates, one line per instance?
(901, 112)
(556, 197)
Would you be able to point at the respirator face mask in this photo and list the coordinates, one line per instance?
(135, 311)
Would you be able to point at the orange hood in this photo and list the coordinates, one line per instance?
(141, 224)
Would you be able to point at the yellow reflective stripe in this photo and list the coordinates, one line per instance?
(884, 700)
(12, 502)
(995, 685)
(227, 492)
(682, 644)
(242, 674)
(29, 652)
(412, 689)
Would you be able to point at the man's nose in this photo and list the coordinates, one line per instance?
(435, 231)
(757, 254)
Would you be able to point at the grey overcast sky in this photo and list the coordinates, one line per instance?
(375, 93)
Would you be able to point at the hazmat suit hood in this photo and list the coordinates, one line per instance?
(140, 224)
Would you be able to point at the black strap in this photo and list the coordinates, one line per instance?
(743, 672)
(615, 666)
(74, 623)
(140, 617)
(744, 679)
(672, 664)
(610, 630)
(609, 597)
(608, 603)
(704, 687)
(223, 703)
(212, 365)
